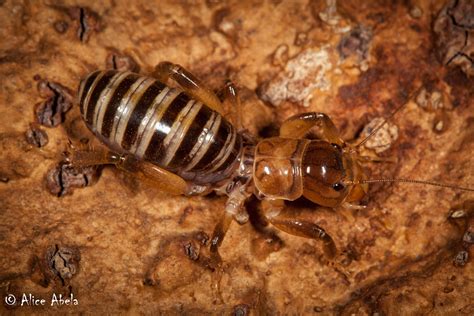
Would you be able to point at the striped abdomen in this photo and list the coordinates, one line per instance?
(163, 125)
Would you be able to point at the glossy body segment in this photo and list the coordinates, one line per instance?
(326, 165)
(143, 117)
(323, 169)
(277, 167)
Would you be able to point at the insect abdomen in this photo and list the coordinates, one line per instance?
(163, 125)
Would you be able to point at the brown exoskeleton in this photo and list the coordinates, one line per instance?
(179, 139)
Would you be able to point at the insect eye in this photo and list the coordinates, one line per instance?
(338, 186)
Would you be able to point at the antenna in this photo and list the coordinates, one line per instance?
(442, 185)
(375, 130)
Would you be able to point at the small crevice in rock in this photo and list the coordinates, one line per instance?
(83, 25)
(59, 100)
(121, 62)
(36, 136)
(63, 262)
(63, 179)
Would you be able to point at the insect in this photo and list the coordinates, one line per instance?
(179, 139)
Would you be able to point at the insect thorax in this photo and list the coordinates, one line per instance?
(277, 168)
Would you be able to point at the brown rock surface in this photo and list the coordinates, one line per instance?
(121, 246)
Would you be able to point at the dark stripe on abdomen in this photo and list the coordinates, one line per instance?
(131, 131)
(181, 157)
(233, 155)
(155, 151)
(85, 89)
(215, 147)
(114, 103)
(95, 94)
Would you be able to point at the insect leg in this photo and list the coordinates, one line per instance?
(363, 159)
(160, 178)
(234, 210)
(232, 101)
(274, 211)
(190, 83)
(84, 157)
(297, 126)
(218, 236)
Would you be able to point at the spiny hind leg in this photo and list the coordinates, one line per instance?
(190, 83)
(299, 125)
(274, 211)
(158, 177)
